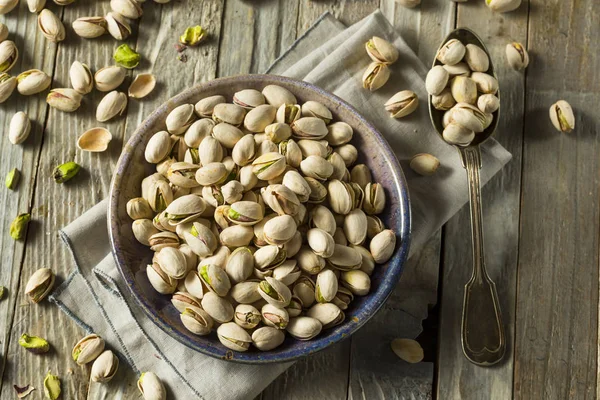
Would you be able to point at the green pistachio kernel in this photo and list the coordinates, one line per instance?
(19, 226)
(65, 172)
(12, 179)
(126, 57)
(268, 289)
(52, 386)
(193, 36)
(34, 344)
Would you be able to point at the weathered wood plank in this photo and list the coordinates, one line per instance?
(457, 377)
(557, 321)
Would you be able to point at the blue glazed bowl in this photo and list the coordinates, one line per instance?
(132, 257)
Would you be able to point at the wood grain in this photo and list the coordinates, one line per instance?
(557, 321)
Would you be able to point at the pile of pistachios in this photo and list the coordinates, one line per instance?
(258, 215)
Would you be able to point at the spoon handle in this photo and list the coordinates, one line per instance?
(482, 333)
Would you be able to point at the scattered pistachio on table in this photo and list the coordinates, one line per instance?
(18, 226)
(117, 25)
(193, 36)
(151, 386)
(90, 27)
(517, 56)
(12, 179)
(109, 78)
(503, 6)
(51, 26)
(34, 344)
(52, 386)
(88, 349)
(131, 9)
(9, 54)
(65, 172)
(64, 99)
(142, 86)
(402, 104)
(126, 57)
(407, 349)
(7, 86)
(94, 140)
(562, 117)
(375, 76)
(19, 128)
(33, 81)
(104, 367)
(82, 79)
(40, 284)
(111, 106)
(424, 164)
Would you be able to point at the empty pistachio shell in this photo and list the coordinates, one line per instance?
(503, 5)
(90, 27)
(277, 95)
(328, 314)
(458, 135)
(88, 349)
(436, 80)
(32, 82)
(117, 26)
(357, 281)
(562, 117)
(464, 89)
(142, 85)
(485, 83)
(267, 338)
(424, 164)
(402, 104)
(304, 328)
(375, 76)
(234, 337)
(517, 56)
(451, 52)
(104, 367)
(94, 140)
(407, 349)
(109, 78)
(151, 387)
(381, 51)
(19, 128)
(51, 26)
(196, 320)
(67, 100)
(40, 284)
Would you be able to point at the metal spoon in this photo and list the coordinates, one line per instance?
(482, 334)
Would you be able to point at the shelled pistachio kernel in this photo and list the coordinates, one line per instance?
(126, 57)
(193, 36)
(18, 226)
(12, 179)
(65, 172)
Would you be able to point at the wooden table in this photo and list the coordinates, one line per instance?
(541, 211)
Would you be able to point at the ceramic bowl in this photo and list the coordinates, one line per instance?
(132, 257)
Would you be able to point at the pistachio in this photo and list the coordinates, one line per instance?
(4, 31)
(197, 132)
(468, 116)
(368, 263)
(304, 290)
(228, 113)
(201, 239)
(158, 147)
(321, 217)
(94, 140)
(18, 226)
(402, 104)
(182, 300)
(205, 107)
(142, 86)
(51, 26)
(458, 135)
(321, 242)
(344, 258)
(267, 338)
(240, 265)
(375, 76)
(88, 349)
(248, 98)
(234, 337)
(104, 367)
(562, 117)
(67, 100)
(279, 230)
(247, 316)
(7, 86)
(328, 314)
(452, 52)
(381, 51)
(111, 105)
(339, 237)
(9, 54)
(436, 80)
(459, 69)
(210, 151)
(304, 328)
(343, 298)
(7, 6)
(503, 5)
(245, 213)
(316, 167)
(81, 77)
(281, 199)
(183, 175)
(124, 55)
(288, 272)
(236, 236)
(185, 209)
(269, 257)
(309, 128)
(244, 150)
(211, 174)
(326, 286)
(485, 82)
(341, 196)
(90, 27)
(355, 226)
(151, 387)
(34, 344)
(32, 81)
(309, 261)
(269, 166)
(51, 386)
(180, 119)
(143, 229)
(161, 240)
(357, 281)
(488, 103)
(128, 8)
(274, 292)
(196, 320)
(258, 118)
(160, 281)
(19, 128)
(117, 26)
(109, 78)
(172, 262)
(12, 179)
(383, 245)
(361, 175)
(517, 56)
(215, 278)
(288, 113)
(476, 58)
(277, 95)
(245, 292)
(313, 108)
(407, 349)
(424, 164)
(227, 135)
(464, 89)
(294, 309)
(313, 148)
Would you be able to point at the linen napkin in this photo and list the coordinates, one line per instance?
(332, 57)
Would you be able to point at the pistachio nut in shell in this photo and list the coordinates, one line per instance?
(236, 236)
(142, 86)
(402, 104)
(368, 263)
(109, 78)
(33, 81)
(34, 344)
(451, 52)
(247, 316)
(517, 56)
(328, 314)
(357, 281)
(297, 184)
(81, 77)
(488, 103)
(269, 257)
(375, 76)
(128, 8)
(339, 133)
(210, 150)
(245, 213)
(51, 26)
(408, 349)
(344, 258)
(160, 281)
(112, 105)
(215, 278)
(244, 150)
(381, 51)
(320, 242)
(197, 132)
(90, 27)
(196, 320)
(151, 387)
(180, 119)
(503, 6)
(468, 116)
(39, 284)
(424, 164)
(348, 152)
(274, 292)
(443, 101)
(4, 31)
(464, 89)
(361, 175)
(87, 349)
(292, 152)
(486, 83)
(309, 261)
(316, 167)
(185, 209)
(278, 132)
(343, 298)
(234, 337)
(313, 108)
(355, 226)
(459, 69)
(7, 86)
(279, 230)
(218, 308)
(143, 229)
(274, 316)
(211, 174)
(288, 272)
(7, 6)
(172, 262)
(245, 292)
(288, 113)
(104, 367)
(204, 108)
(476, 58)
(158, 147)
(248, 98)
(201, 239)
(436, 80)
(9, 54)
(229, 113)
(117, 26)
(304, 328)
(94, 140)
(64, 99)
(269, 165)
(562, 117)
(267, 338)
(458, 135)
(276, 96)
(258, 118)
(228, 135)
(382, 246)
(19, 128)
(181, 300)
(339, 237)
(326, 286)
(341, 196)
(309, 128)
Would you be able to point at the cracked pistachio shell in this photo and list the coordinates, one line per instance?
(229, 113)
(288, 272)
(258, 118)
(234, 337)
(240, 265)
(158, 147)
(151, 387)
(279, 230)
(210, 151)
(161, 240)
(407, 349)
(348, 152)
(339, 133)
(215, 278)
(183, 175)
(128, 8)
(464, 90)
(19, 128)
(217, 307)
(316, 167)
(276, 96)
(281, 199)
(7, 86)
(269, 257)
(182, 300)
(562, 117)
(402, 104)
(288, 113)
(51, 26)
(309, 128)
(112, 105)
(297, 184)
(64, 99)
(357, 281)
(245, 213)
(517, 56)
(274, 292)
(304, 328)
(104, 367)
(459, 69)
(39, 284)
(172, 262)
(458, 135)
(486, 83)
(232, 191)
(381, 51)
(318, 192)
(488, 103)
(198, 131)
(196, 320)
(345, 258)
(267, 338)
(109, 78)
(326, 286)
(142, 86)
(292, 152)
(117, 26)
(309, 261)
(245, 292)
(443, 101)
(304, 290)
(313, 108)
(343, 298)
(90, 27)
(313, 148)
(268, 166)
(320, 242)
(244, 150)
(503, 6)
(468, 116)
(213, 196)
(382, 246)
(248, 98)
(355, 226)
(201, 239)
(436, 80)
(339, 237)
(236, 236)
(143, 229)
(247, 316)
(476, 58)
(9, 54)
(228, 135)
(212, 174)
(193, 285)
(185, 208)
(295, 307)
(278, 132)
(87, 349)
(328, 314)
(180, 119)
(205, 107)
(32, 82)
(361, 175)
(424, 164)
(7, 6)
(375, 76)
(81, 77)
(341, 196)
(452, 52)
(274, 316)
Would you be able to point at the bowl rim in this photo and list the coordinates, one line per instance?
(384, 290)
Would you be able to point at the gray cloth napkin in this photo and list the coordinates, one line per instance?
(333, 58)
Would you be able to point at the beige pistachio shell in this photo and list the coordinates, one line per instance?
(117, 26)
(562, 117)
(436, 80)
(19, 128)
(104, 367)
(424, 164)
(112, 105)
(304, 328)
(357, 281)
(88, 349)
(313, 108)
(476, 58)
(464, 89)
(452, 52)
(90, 27)
(160, 281)
(109, 78)
(94, 140)
(381, 51)
(458, 135)
(375, 76)
(234, 337)
(328, 314)
(217, 307)
(267, 338)
(196, 320)
(64, 99)
(517, 56)
(51, 26)
(204, 108)
(382, 246)
(486, 83)
(402, 104)
(408, 349)
(81, 77)
(151, 387)
(247, 316)
(142, 86)
(40, 284)
(7, 86)
(248, 98)
(276, 96)
(32, 82)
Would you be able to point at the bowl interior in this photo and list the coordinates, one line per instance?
(132, 257)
